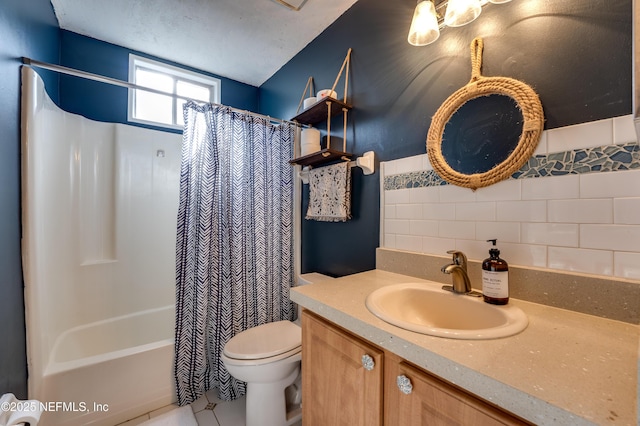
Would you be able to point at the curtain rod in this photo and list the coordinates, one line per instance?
(113, 81)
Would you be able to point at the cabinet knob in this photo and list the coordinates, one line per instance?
(404, 384)
(367, 362)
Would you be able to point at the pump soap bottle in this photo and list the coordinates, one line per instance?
(495, 277)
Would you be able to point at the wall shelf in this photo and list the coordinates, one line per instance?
(321, 157)
(327, 107)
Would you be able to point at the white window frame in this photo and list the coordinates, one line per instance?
(135, 61)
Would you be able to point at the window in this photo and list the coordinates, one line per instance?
(164, 110)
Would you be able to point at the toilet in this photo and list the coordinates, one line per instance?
(267, 358)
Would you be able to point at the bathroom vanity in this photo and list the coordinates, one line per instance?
(377, 386)
(564, 368)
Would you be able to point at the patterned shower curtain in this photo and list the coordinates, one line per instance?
(234, 254)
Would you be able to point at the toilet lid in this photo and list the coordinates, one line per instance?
(264, 341)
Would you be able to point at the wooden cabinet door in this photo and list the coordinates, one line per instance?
(337, 389)
(433, 402)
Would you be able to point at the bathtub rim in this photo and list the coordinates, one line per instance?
(52, 367)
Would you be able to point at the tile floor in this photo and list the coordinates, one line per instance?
(209, 411)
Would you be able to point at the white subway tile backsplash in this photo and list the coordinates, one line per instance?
(541, 148)
(426, 164)
(610, 184)
(552, 234)
(457, 229)
(409, 211)
(388, 168)
(474, 249)
(524, 254)
(485, 211)
(429, 194)
(503, 231)
(521, 211)
(512, 253)
(404, 165)
(626, 211)
(585, 135)
(623, 129)
(581, 260)
(626, 265)
(553, 187)
(424, 228)
(580, 211)
(409, 243)
(396, 196)
(502, 191)
(389, 241)
(610, 237)
(452, 193)
(587, 223)
(397, 226)
(437, 246)
(439, 211)
(390, 211)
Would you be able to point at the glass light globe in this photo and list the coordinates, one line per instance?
(461, 12)
(424, 26)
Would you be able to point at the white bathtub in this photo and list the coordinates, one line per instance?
(110, 371)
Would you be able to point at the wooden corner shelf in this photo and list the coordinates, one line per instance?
(320, 111)
(321, 157)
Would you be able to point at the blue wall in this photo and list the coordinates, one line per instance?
(103, 102)
(576, 54)
(26, 29)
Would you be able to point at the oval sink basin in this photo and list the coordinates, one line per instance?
(427, 309)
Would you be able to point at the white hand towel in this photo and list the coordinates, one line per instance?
(330, 193)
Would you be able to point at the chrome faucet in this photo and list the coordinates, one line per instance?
(458, 271)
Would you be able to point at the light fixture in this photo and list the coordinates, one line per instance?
(429, 18)
(461, 12)
(424, 25)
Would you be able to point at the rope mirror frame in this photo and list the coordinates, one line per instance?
(533, 122)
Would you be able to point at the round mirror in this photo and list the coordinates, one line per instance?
(485, 131)
(481, 134)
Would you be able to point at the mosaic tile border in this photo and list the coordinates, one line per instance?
(607, 158)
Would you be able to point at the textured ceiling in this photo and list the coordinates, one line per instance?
(245, 40)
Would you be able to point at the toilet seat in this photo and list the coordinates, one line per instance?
(264, 344)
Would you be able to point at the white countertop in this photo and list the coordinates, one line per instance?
(564, 368)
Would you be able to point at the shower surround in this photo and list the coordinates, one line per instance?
(99, 227)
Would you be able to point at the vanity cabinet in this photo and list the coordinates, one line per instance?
(339, 386)
(339, 389)
(419, 398)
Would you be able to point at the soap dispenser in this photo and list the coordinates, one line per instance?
(495, 277)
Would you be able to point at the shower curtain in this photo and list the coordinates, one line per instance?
(234, 248)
